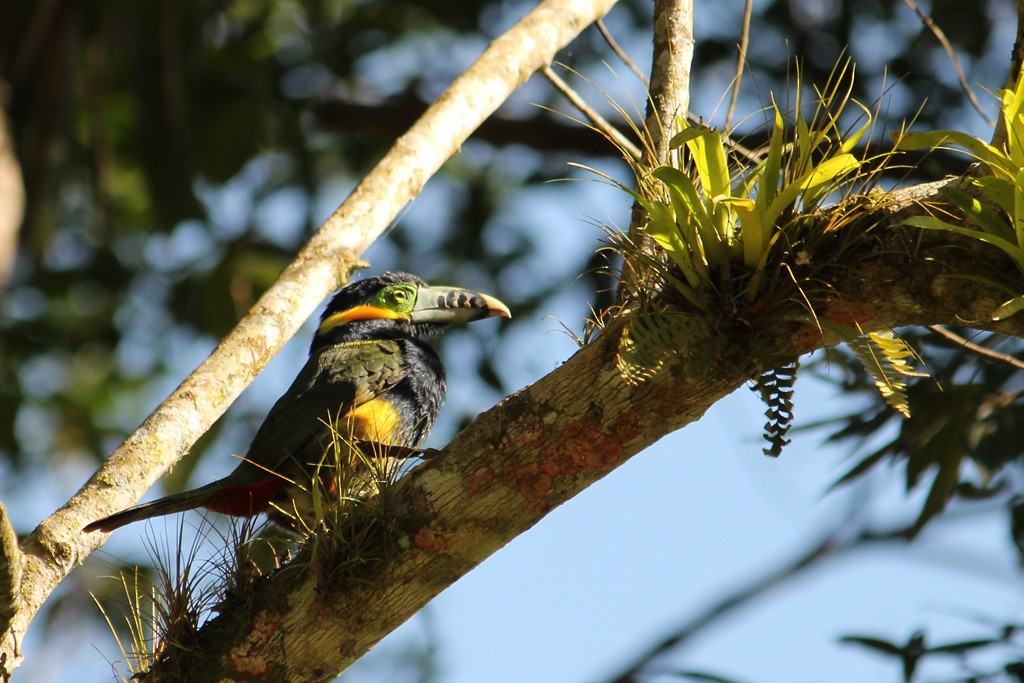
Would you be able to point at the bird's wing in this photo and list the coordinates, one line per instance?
(340, 384)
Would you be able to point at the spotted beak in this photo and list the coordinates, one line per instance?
(448, 305)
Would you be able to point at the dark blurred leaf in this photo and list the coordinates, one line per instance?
(704, 677)
(909, 653)
(969, 491)
(942, 489)
(861, 468)
(877, 644)
(486, 372)
(963, 646)
(1016, 508)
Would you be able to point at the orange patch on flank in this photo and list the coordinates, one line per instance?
(375, 421)
(429, 539)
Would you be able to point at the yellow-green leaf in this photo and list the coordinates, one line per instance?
(664, 229)
(851, 141)
(999, 190)
(932, 223)
(753, 232)
(688, 133)
(711, 163)
(811, 182)
(1011, 307)
(684, 194)
(768, 188)
(1012, 106)
(937, 139)
(982, 216)
(1018, 209)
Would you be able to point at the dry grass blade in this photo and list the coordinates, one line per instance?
(138, 654)
(741, 59)
(619, 52)
(597, 121)
(940, 35)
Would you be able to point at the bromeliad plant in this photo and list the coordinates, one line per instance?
(720, 232)
(726, 230)
(994, 206)
(742, 243)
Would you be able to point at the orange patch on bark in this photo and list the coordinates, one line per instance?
(580, 447)
(628, 426)
(481, 481)
(528, 430)
(430, 539)
(851, 313)
(249, 657)
(807, 339)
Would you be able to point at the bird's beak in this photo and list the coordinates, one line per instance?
(447, 305)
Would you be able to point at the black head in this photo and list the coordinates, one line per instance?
(400, 304)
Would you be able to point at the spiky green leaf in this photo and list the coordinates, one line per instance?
(940, 139)
(811, 184)
(768, 187)
(884, 356)
(690, 206)
(1009, 308)
(983, 216)
(932, 223)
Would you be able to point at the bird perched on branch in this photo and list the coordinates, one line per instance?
(371, 379)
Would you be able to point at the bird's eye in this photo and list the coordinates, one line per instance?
(400, 295)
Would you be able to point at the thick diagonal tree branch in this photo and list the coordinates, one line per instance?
(10, 570)
(544, 444)
(57, 544)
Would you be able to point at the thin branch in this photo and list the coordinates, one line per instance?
(57, 545)
(543, 132)
(977, 348)
(10, 572)
(668, 102)
(741, 60)
(948, 47)
(606, 34)
(670, 75)
(595, 118)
